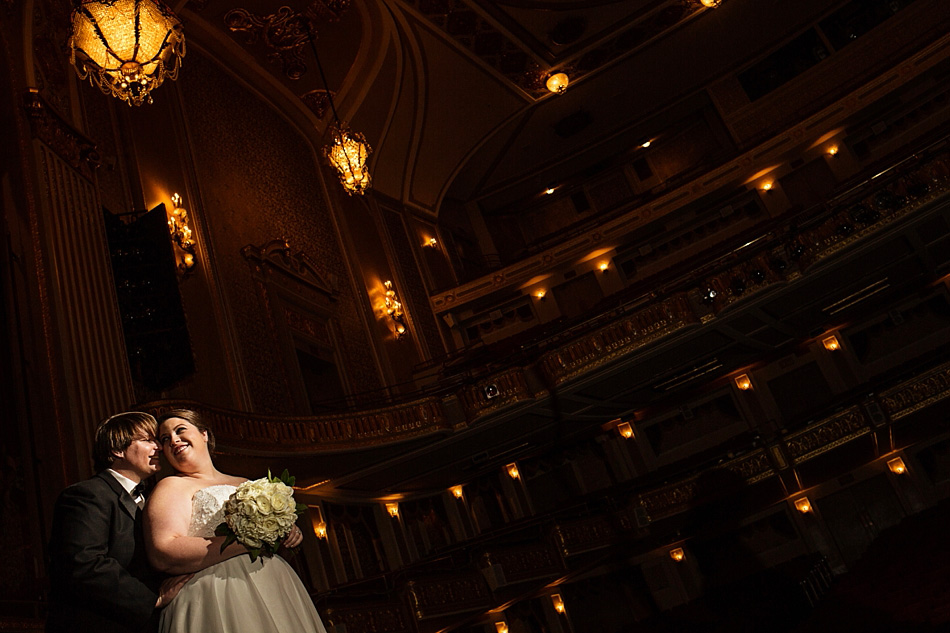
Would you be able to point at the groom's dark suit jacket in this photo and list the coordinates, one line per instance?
(99, 576)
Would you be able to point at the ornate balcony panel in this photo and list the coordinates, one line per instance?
(586, 535)
(918, 393)
(827, 434)
(387, 617)
(527, 562)
(448, 595)
(623, 336)
(491, 394)
(317, 434)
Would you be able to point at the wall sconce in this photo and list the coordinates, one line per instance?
(316, 520)
(711, 4)
(646, 144)
(897, 466)
(832, 150)
(184, 244)
(501, 627)
(557, 83)
(767, 186)
(456, 491)
(394, 310)
(558, 603)
(430, 243)
(625, 430)
(393, 510)
(540, 294)
(550, 190)
(677, 554)
(831, 343)
(803, 505)
(512, 470)
(743, 382)
(604, 266)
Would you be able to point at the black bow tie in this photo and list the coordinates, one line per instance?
(138, 491)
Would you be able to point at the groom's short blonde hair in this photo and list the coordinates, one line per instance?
(115, 434)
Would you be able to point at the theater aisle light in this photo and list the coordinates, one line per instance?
(558, 603)
(677, 554)
(512, 470)
(182, 237)
(803, 505)
(897, 466)
(557, 82)
(743, 382)
(831, 343)
(625, 430)
(126, 48)
(393, 309)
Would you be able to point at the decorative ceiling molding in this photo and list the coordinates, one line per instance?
(284, 33)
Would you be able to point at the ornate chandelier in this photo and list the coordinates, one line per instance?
(348, 150)
(126, 47)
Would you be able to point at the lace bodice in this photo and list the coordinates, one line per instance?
(207, 509)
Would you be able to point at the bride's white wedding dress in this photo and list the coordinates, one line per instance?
(238, 596)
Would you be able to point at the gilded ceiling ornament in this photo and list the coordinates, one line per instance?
(284, 33)
(329, 10)
(318, 101)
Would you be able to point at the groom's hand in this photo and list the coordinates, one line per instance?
(170, 588)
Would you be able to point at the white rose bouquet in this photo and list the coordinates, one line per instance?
(260, 514)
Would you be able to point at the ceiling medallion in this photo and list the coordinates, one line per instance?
(329, 10)
(126, 48)
(284, 33)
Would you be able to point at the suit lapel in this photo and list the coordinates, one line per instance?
(125, 499)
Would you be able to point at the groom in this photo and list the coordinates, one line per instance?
(99, 577)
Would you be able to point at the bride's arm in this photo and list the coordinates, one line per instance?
(170, 549)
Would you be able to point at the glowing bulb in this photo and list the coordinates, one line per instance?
(677, 554)
(549, 190)
(743, 382)
(645, 144)
(831, 343)
(603, 266)
(512, 470)
(558, 603)
(803, 505)
(897, 466)
(456, 491)
(557, 83)
(711, 4)
(767, 186)
(625, 430)
(393, 509)
(833, 150)
(540, 294)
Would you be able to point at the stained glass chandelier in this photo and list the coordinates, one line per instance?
(126, 48)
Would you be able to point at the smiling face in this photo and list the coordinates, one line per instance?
(140, 458)
(182, 443)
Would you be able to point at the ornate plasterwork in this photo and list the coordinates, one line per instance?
(284, 34)
(278, 256)
(918, 393)
(448, 595)
(827, 434)
(47, 126)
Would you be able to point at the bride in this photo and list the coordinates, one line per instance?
(228, 593)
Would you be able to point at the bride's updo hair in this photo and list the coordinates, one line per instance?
(194, 418)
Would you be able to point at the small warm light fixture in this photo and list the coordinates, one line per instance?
(897, 466)
(126, 48)
(712, 4)
(501, 627)
(512, 470)
(831, 343)
(393, 510)
(430, 242)
(316, 520)
(394, 310)
(767, 185)
(833, 150)
(646, 144)
(456, 491)
(557, 83)
(540, 294)
(743, 382)
(184, 244)
(550, 190)
(603, 266)
(625, 430)
(558, 602)
(803, 505)
(677, 554)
